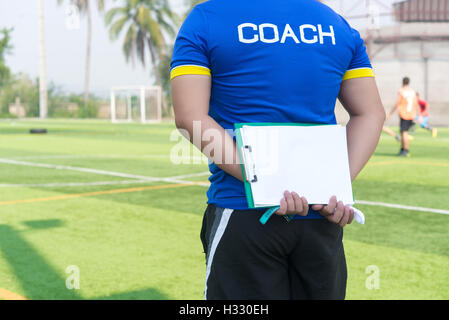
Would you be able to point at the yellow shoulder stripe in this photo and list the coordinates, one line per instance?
(358, 73)
(183, 70)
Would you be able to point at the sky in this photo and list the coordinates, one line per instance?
(65, 49)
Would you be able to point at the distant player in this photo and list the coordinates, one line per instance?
(407, 106)
(423, 116)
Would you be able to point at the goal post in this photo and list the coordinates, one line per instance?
(136, 103)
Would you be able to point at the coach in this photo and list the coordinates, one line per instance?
(283, 61)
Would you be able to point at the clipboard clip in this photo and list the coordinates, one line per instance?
(248, 164)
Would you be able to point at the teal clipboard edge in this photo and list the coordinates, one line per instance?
(238, 138)
(247, 185)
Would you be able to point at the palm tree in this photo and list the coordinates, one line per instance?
(5, 48)
(43, 95)
(5, 43)
(148, 24)
(85, 8)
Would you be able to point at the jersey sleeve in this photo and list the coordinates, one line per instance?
(360, 66)
(190, 53)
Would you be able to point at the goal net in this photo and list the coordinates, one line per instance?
(136, 103)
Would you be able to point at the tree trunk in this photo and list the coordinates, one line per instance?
(43, 96)
(157, 75)
(88, 46)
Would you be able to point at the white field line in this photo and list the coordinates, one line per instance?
(175, 179)
(400, 206)
(71, 184)
(112, 156)
(95, 183)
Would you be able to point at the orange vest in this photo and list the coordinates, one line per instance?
(407, 104)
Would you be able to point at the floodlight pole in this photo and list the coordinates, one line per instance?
(43, 97)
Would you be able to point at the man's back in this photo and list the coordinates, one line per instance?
(270, 61)
(275, 56)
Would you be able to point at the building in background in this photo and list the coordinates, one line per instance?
(414, 44)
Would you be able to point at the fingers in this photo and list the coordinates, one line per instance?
(346, 215)
(329, 210)
(351, 215)
(317, 207)
(335, 212)
(283, 208)
(300, 204)
(338, 213)
(343, 215)
(305, 206)
(292, 203)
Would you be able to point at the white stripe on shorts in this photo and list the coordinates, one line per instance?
(218, 234)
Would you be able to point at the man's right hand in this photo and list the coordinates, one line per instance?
(335, 212)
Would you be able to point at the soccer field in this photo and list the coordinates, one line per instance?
(105, 200)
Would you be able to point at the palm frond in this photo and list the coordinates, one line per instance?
(169, 27)
(155, 34)
(129, 44)
(116, 27)
(113, 12)
(140, 46)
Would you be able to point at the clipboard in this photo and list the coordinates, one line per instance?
(250, 169)
(246, 159)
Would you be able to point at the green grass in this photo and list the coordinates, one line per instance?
(145, 244)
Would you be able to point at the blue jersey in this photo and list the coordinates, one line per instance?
(270, 61)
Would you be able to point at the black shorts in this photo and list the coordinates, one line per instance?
(406, 125)
(245, 260)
